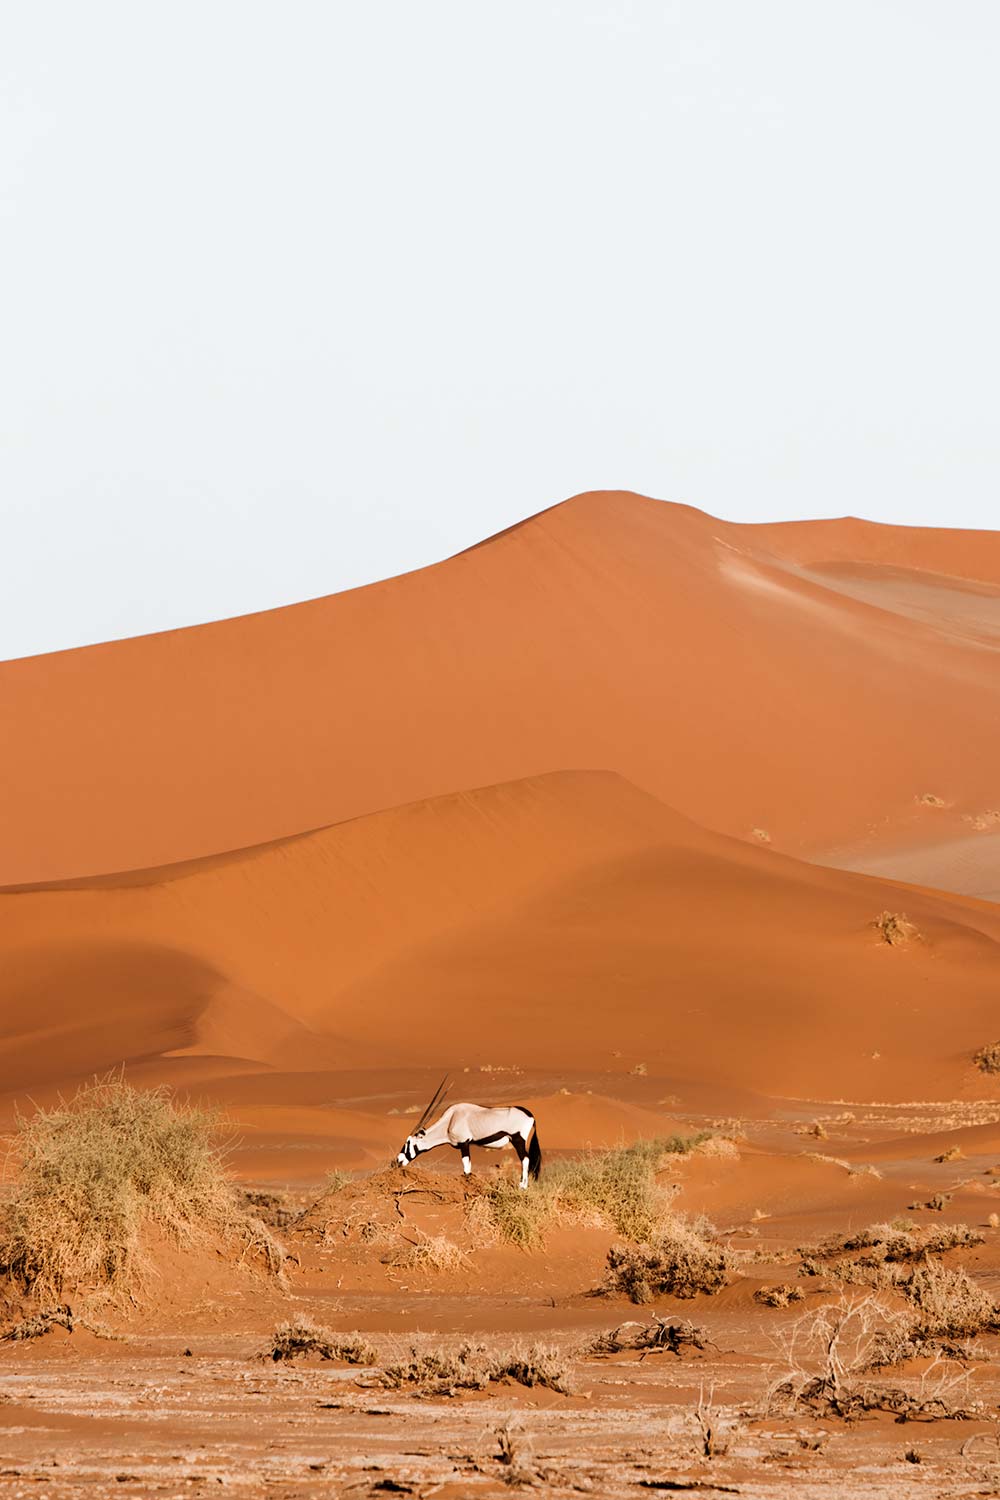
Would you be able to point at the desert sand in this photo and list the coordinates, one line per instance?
(601, 817)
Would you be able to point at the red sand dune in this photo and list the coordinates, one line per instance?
(810, 681)
(239, 859)
(540, 923)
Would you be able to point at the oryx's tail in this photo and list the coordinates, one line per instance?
(534, 1155)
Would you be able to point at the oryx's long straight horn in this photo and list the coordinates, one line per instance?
(439, 1095)
(435, 1101)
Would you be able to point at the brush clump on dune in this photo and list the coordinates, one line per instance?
(681, 1262)
(302, 1338)
(987, 1059)
(433, 1252)
(618, 1187)
(472, 1367)
(96, 1175)
(947, 1303)
(894, 1242)
(503, 1210)
(895, 928)
(673, 1338)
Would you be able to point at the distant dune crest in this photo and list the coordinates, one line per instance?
(811, 680)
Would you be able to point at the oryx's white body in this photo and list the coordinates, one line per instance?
(467, 1125)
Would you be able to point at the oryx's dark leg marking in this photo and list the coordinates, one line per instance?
(466, 1158)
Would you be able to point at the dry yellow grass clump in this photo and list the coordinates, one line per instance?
(474, 1367)
(303, 1338)
(895, 928)
(618, 1187)
(95, 1174)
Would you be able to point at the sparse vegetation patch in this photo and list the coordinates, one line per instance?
(987, 1059)
(617, 1186)
(681, 1262)
(303, 1338)
(94, 1173)
(895, 928)
(437, 1372)
(649, 1338)
(433, 1252)
(778, 1296)
(832, 1354)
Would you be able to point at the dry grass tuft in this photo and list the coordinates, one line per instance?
(336, 1181)
(617, 1186)
(520, 1218)
(935, 1204)
(895, 928)
(681, 1262)
(953, 1153)
(714, 1433)
(93, 1174)
(293, 1340)
(987, 1059)
(778, 1296)
(472, 1367)
(514, 1456)
(434, 1252)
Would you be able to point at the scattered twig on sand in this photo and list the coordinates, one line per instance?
(650, 1338)
(713, 1431)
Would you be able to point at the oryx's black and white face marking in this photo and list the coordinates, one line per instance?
(411, 1147)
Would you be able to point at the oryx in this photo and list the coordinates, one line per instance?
(467, 1125)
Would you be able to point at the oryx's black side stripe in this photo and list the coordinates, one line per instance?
(498, 1135)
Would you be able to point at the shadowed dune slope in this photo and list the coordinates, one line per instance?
(566, 922)
(813, 682)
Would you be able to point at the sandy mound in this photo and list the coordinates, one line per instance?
(812, 682)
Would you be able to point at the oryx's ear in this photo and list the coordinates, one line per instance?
(421, 1132)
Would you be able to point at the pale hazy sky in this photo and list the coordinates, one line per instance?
(298, 294)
